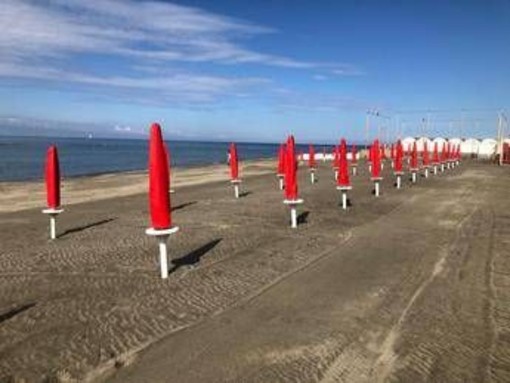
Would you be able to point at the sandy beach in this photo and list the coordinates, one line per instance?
(412, 286)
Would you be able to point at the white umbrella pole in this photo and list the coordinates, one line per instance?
(53, 213)
(162, 237)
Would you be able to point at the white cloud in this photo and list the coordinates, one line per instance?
(320, 77)
(43, 40)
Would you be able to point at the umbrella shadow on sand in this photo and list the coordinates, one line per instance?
(15, 311)
(183, 205)
(193, 258)
(87, 226)
(245, 194)
(303, 217)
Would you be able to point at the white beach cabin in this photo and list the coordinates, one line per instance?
(407, 143)
(487, 148)
(420, 144)
(470, 146)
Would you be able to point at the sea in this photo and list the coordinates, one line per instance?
(22, 158)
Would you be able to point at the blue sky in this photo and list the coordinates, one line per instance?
(236, 70)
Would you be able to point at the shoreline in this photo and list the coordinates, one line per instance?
(22, 195)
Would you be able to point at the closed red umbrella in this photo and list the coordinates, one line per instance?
(443, 152)
(234, 162)
(311, 163)
(376, 166)
(413, 166)
(425, 154)
(52, 178)
(234, 169)
(291, 187)
(52, 181)
(399, 154)
(435, 154)
(414, 157)
(311, 157)
(343, 177)
(343, 182)
(336, 157)
(159, 197)
(354, 160)
(376, 159)
(159, 181)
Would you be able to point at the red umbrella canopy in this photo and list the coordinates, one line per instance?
(383, 152)
(435, 154)
(414, 157)
(353, 154)
(311, 157)
(291, 187)
(281, 159)
(448, 151)
(343, 175)
(52, 178)
(159, 181)
(336, 157)
(376, 159)
(234, 162)
(443, 152)
(399, 154)
(425, 154)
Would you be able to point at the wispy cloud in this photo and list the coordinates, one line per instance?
(44, 40)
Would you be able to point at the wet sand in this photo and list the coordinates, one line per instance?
(412, 286)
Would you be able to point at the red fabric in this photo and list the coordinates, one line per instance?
(291, 187)
(506, 153)
(159, 181)
(376, 159)
(52, 177)
(443, 152)
(234, 162)
(343, 175)
(414, 157)
(398, 156)
(311, 158)
(425, 154)
(336, 157)
(435, 154)
(354, 160)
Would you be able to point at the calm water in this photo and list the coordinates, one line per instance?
(22, 158)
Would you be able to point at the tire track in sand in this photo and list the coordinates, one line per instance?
(386, 361)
